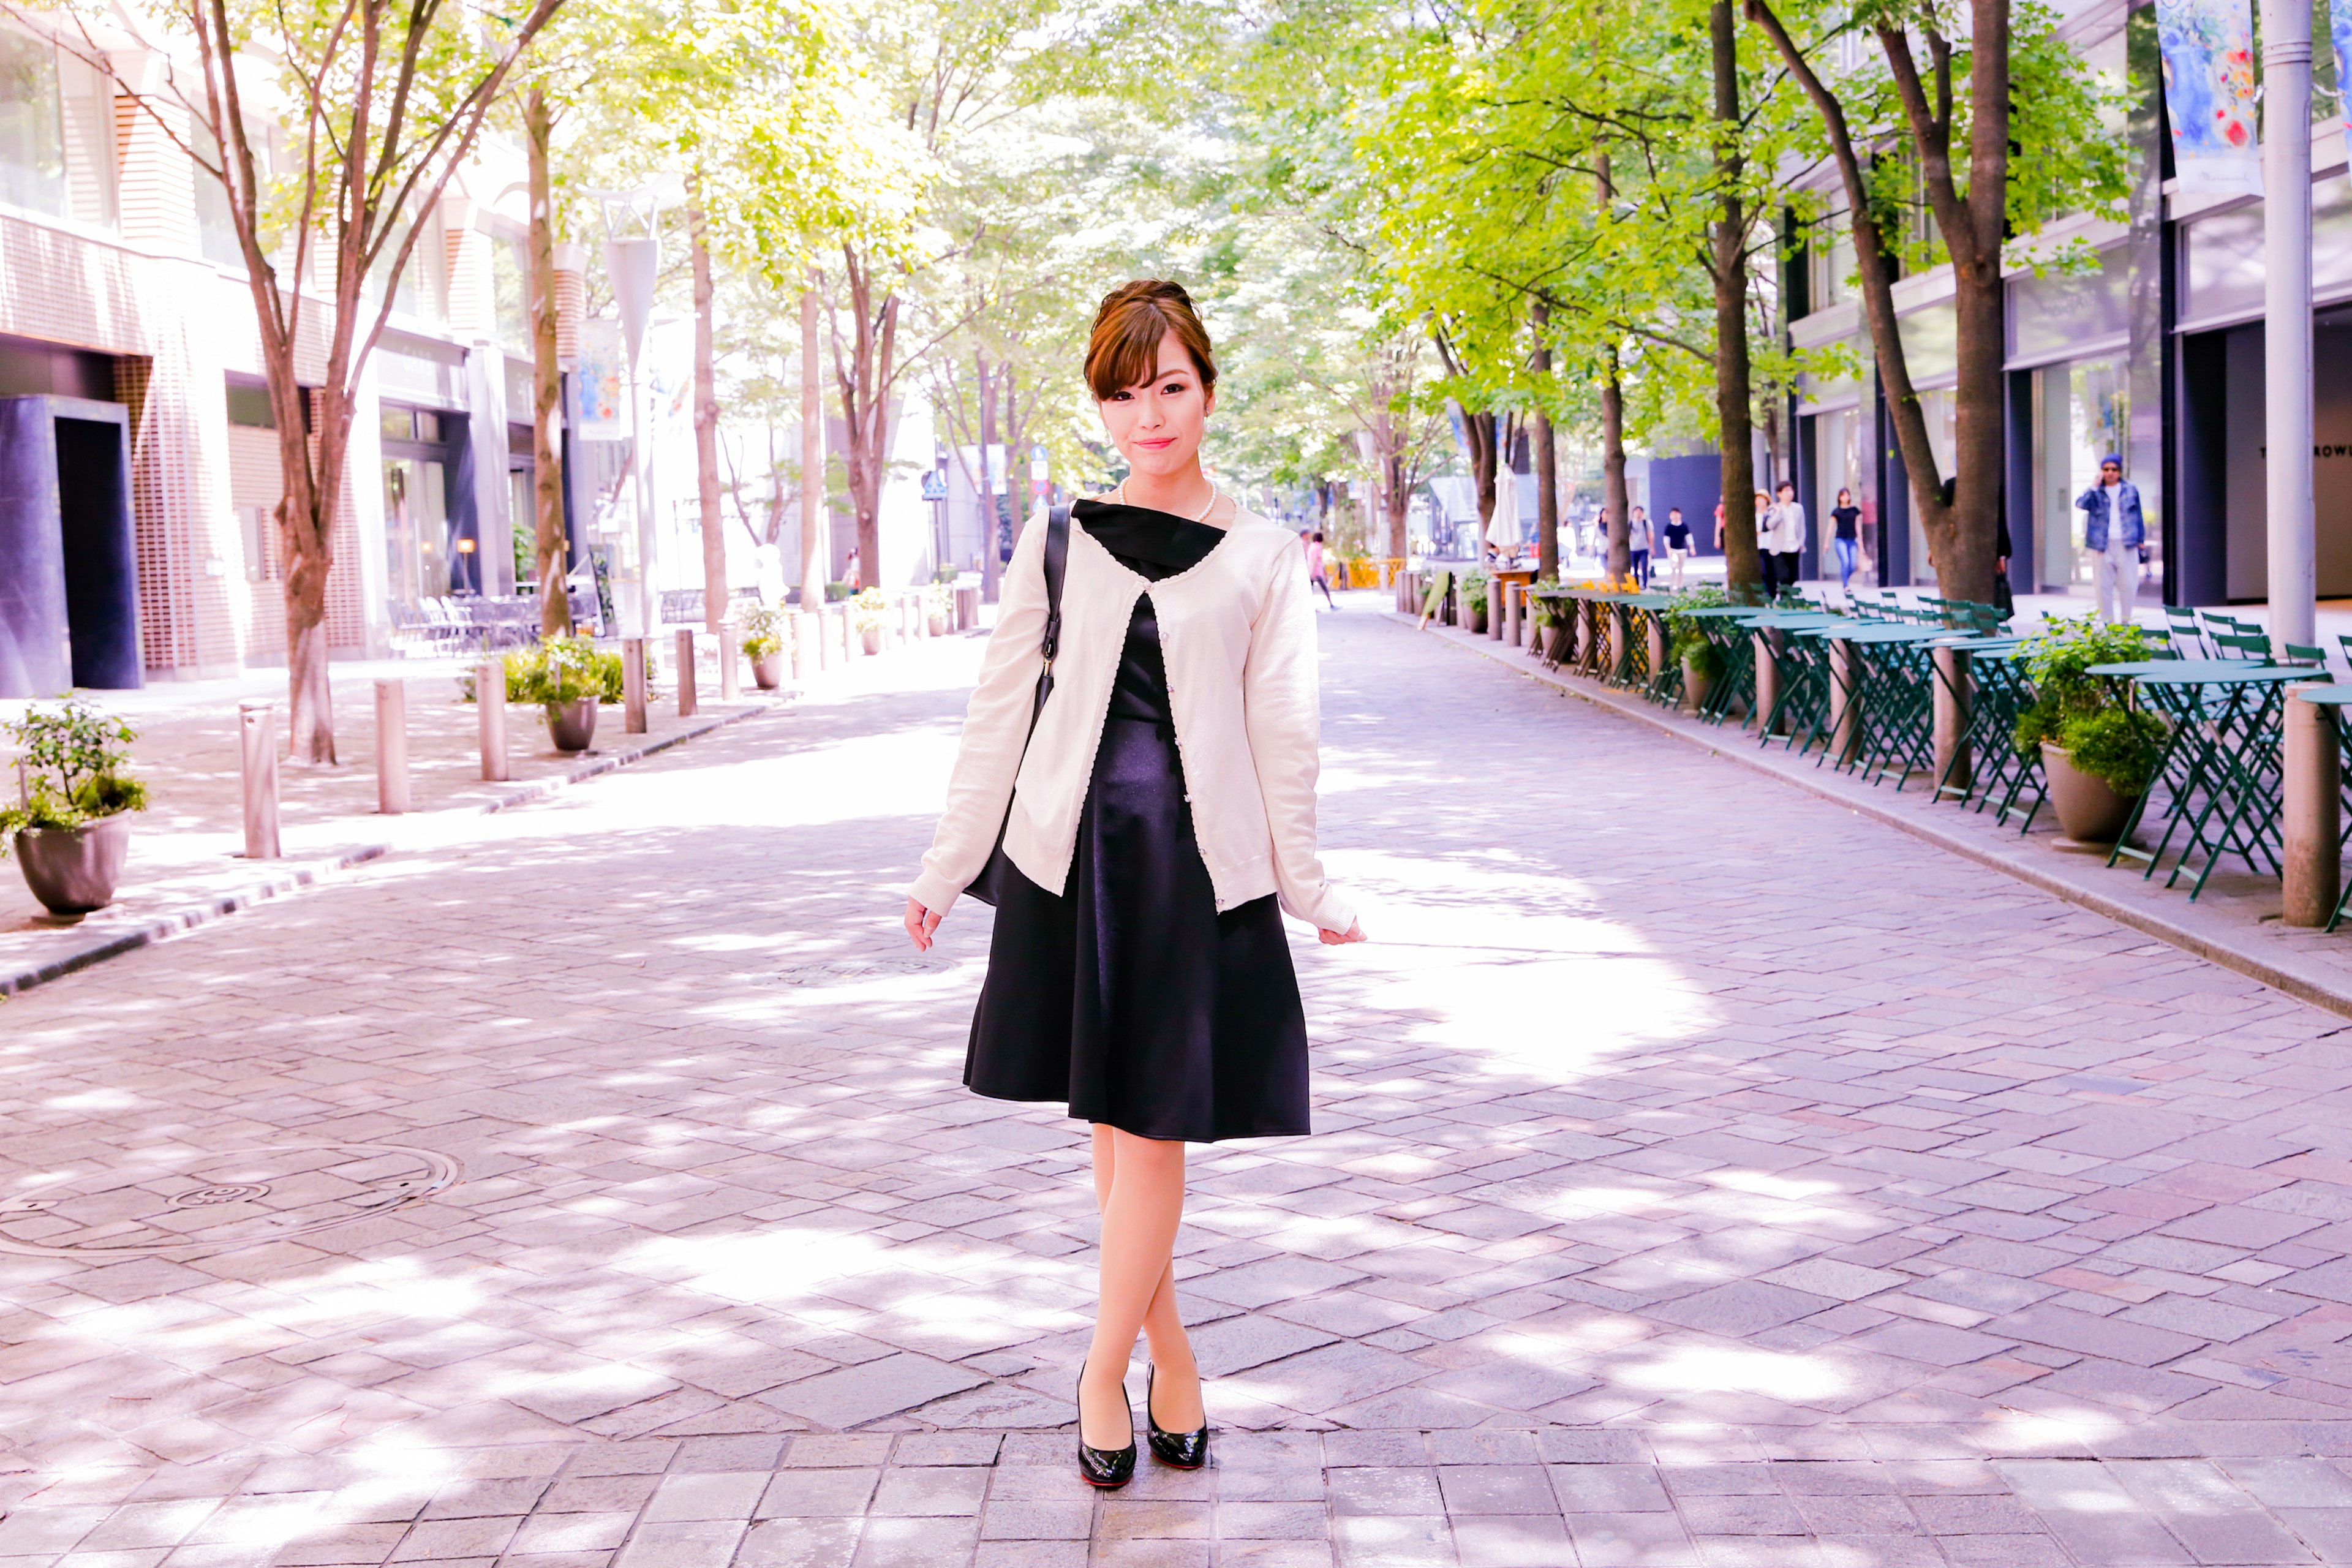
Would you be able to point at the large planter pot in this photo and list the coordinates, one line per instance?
(873, 640)
(571, 725)
(768, 670)
(1478, 622)
(73, 870)
(936, 624)
(2090, 811)
(1694, 687)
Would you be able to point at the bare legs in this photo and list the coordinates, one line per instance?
(1140, 1188)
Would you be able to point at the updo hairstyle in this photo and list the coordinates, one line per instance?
(1124, 350)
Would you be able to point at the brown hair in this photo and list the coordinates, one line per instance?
(1124, 350)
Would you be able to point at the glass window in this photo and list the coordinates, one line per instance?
(2048, 314)
(1832, 258)
(253, 522)
(89, 155)
(32, 125)
(249, 404)
(398, 423)
(2083, 412)
(416, 530)
(511, 280)
(215, 225)
(428, 425)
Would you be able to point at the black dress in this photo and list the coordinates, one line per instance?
(1127, 995)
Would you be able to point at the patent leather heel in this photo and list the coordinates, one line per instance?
(1185, 1450)
(1105, 1467)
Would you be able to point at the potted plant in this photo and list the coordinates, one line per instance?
(868, 612)
(70, 826)
(1689, 646)
(2097, 752)
(568, 677)
(1474, 601)
(938, 604)
(767, 637)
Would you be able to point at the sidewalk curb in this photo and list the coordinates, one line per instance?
(2310, 983)
(188, 917)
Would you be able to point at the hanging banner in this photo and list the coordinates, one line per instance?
(602, 383)
(2342, 33)
(2209, 94)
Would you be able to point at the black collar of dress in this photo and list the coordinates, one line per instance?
(1139, 533)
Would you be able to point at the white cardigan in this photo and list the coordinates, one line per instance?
(1237, 634)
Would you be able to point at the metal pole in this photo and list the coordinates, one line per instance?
(391, 747)
(2286, 303)
(258, 744)
(685, 674)
(491, 705)
(632, 685)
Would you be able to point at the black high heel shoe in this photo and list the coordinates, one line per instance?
(1185, 1450)
(1108, 1468)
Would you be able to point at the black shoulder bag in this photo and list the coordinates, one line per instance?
(996, 876)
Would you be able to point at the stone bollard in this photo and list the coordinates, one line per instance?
(2311, 859)
(1955, 706)
(1655, 626)
(490, 714)
(686, 704)
(730, 682)
(391, 747)
(1767, 680)
(632, 685)
(808, 644)
(851, 645)
(1845, 710)
(1497, 595)
(256, 732)
(1509, 629)
(967, 608)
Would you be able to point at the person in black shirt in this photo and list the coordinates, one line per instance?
(1848, 541)
(1678, 546)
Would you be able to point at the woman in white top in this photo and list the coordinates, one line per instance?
(1138, 824)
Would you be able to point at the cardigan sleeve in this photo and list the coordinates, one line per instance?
(995, 730)
(1281, 714)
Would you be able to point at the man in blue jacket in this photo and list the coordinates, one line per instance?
(2112, 530)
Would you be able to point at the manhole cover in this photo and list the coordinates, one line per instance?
(849, 970)
(208, 1200)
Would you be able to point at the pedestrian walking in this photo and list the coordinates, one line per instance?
(1637, 544)
(1847, 542)
(1678, 547)
(1767, 547)
(1789, 533)
(1162, 821)
(1315, 570)
(2113, 532)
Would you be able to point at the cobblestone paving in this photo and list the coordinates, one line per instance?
(1704, 1176)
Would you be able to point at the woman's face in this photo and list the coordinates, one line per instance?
(1157, 424)
(1845, 498)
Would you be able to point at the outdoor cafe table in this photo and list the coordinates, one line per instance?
(2332, 699)
(2219, 769)
(1880, 694)
(1797, 695)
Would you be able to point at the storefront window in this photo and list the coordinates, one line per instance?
(2084, 414)
(416, 530)
(1837, 466)
(32, 125)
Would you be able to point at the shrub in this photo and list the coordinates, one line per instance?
(73, 761)
(1685, 643)
(2084, 714)
(869, 610)
(567, 669)
(1473, 592)
(765, 631)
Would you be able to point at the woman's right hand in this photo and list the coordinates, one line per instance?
(921, 924)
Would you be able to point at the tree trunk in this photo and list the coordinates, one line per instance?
(1479, 428)
(991, 567)
(1015, 465)
(865, 378)
(1728, 262)
(816, 553)
(1617, 500)
(1547, 457)
(706, 417)
(1966, 558)
(551, 553)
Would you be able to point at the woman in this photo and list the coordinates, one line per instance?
(1314, 573)
(1768, 546)
(1138, 969)
(1789, 533)
(1848, 539)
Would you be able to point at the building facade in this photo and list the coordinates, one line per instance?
(121, 286)
(2155, 354)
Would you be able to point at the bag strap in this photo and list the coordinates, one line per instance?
(1057, 556)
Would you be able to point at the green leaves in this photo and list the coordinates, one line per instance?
(71, 759)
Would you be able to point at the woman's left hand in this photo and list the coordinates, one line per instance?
(1355, 932)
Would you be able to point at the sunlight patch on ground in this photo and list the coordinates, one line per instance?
(1794, 1378)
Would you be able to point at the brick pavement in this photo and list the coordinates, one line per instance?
(1703, 1176)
